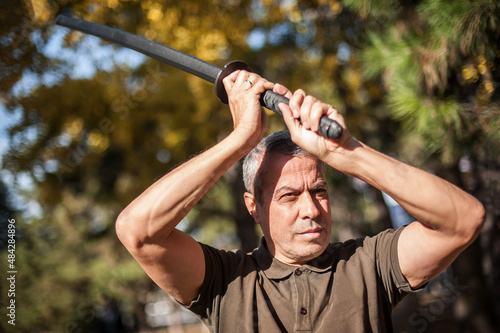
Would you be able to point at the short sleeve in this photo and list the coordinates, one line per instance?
(219, 271)
(383, 249)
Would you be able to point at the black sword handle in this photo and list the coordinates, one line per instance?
(328, 128)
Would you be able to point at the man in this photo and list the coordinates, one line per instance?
(296, 281)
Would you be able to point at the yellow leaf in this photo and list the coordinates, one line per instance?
(155, 13)
(113, 4)
(469, 73)
(73, 127)
(41, 11)
(97, 141)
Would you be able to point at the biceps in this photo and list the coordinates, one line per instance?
(424, 253)
(176, 265)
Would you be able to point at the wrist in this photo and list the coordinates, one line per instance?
(345, 157)
(248, 138)
(241, 142)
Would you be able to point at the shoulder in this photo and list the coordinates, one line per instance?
(373, 261)
(222, 268)
(384, 243)
(227, 263)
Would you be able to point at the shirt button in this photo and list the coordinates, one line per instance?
(303, 311)
(298, 272)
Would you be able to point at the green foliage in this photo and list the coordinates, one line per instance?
(383, 8)
(421, 63)
(390, 55)
(464, 24)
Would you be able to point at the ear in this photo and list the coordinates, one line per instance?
(251, 204)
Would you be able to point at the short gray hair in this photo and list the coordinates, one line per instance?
(278, 142)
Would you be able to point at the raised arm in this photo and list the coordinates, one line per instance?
(448, 219)
(147, 226)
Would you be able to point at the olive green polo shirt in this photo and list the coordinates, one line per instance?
(352, 287)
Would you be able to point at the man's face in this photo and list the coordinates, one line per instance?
(294, 211)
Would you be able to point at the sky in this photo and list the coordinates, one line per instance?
(6, 120)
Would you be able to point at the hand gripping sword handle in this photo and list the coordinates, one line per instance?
(328, 128)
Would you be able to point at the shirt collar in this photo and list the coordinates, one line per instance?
(275, 269)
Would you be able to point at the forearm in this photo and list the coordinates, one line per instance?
(151, 218)
(431, 200)
(450, 219)
(156, 212)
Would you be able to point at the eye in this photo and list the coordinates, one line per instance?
(289, 196)
(320, 193)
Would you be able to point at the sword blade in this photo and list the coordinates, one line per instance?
(145, 46)
(328, 128)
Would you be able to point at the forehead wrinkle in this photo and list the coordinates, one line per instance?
(301, 181)
(275, 166)
(319, 183)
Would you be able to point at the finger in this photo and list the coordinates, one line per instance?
(249, 80)
(262, 84)
(334, 114)
(253, 80)
(331, 111)
(292, 123)
(296, 102)
(305, 111)
(318, 109)
(241, 78)
(282, 90)
(229, 80)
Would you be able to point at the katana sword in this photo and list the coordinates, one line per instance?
(328, 128)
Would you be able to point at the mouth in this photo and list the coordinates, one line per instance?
(313, 233)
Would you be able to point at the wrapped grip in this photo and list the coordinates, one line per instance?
(328, 128)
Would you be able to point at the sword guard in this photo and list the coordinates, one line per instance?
(230, 67)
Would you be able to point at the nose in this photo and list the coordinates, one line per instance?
(308, 206)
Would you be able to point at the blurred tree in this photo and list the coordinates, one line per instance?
(91, 143)
(439, 63)
(93, 136)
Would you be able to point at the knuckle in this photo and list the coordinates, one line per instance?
(299, 92)
(310, 99)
